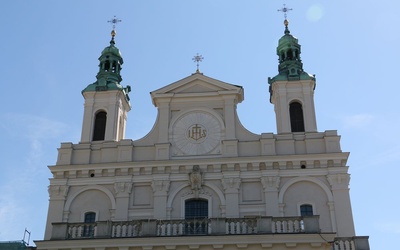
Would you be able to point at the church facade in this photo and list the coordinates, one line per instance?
(199, 179)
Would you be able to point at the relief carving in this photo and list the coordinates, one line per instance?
(196, 178)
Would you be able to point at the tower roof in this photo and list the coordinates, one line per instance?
(290, 65)
(109, 77)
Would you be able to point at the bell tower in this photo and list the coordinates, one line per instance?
(292, 90)
(106, 100)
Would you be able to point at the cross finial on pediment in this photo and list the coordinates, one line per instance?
(197, 59)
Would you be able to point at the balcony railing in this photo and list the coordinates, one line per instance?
(351, 243)
(202, 226)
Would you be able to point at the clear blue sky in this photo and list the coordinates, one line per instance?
(50, 50)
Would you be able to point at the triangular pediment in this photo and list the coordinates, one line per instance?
(196, 83)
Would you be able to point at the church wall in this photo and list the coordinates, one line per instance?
(249, 148)
(305, 192)
(90, 201)
(127, 150)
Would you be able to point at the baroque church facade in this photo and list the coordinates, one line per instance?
(199, 179)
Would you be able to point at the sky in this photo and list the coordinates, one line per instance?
(50, 51)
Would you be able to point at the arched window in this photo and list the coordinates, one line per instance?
(306, 210)
(196, 214)
(296, 117)
(100, 126)
(88, 228)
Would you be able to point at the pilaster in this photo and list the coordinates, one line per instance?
(271, 189)
(122, 191)
(344, 217)
(231, 185)
(160, 187)
(58, 195)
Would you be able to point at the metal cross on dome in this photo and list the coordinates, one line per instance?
(285, 10)
(114, 21)
(197, 59)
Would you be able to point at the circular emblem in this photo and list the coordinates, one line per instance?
(196, 133)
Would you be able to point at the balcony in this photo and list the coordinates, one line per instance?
(203, 226)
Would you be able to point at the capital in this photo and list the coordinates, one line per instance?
(231, 184)
(270, 183)
(339, 181)
(58, 191)
(160, 186)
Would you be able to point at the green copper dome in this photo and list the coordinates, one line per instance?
(111, 50)
(109, 77)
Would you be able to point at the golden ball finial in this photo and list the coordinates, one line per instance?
(286, 22)
(113, 33)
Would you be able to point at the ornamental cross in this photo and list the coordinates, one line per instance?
(197, 59)
(114, 21)
(285, 10)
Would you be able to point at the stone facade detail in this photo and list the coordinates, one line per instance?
(196, 178)
(231, 184)
(270, 183)
(58, 191)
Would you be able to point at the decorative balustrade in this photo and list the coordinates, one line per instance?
(351, 243)
(241, 226)
(287, 225)
(126, 229)
(196, 226)
(81, 230)
(201, 226)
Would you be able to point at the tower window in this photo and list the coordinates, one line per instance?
(296, 117)
(107, 66)
(196, 213)
(100, 126)
(306, 210)
(88, 228)
(289, 54)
